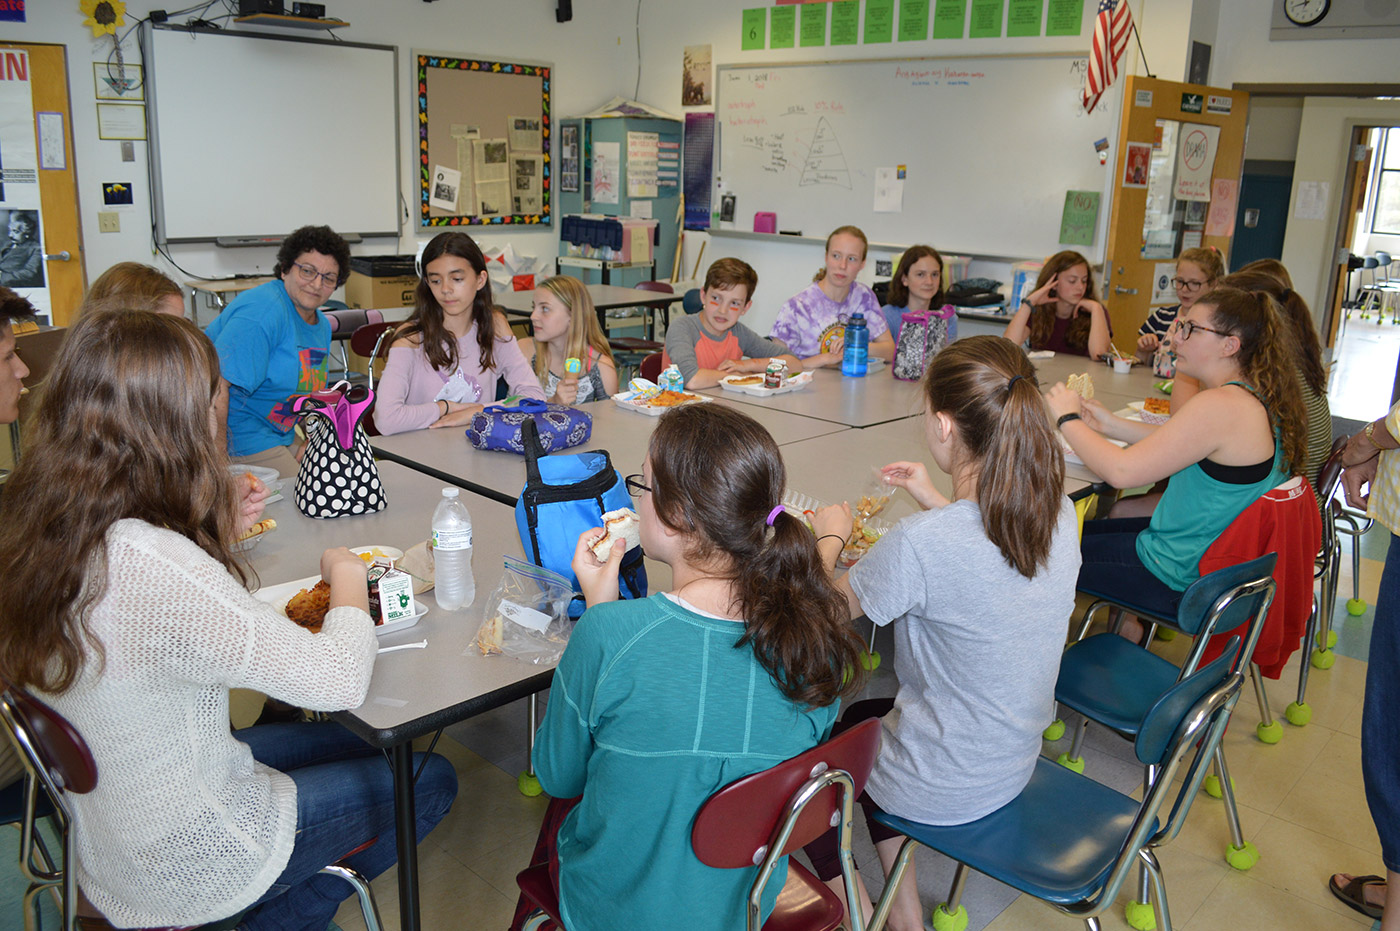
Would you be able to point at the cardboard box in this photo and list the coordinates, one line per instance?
(363, 291)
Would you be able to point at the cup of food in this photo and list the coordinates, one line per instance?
(1122, 366)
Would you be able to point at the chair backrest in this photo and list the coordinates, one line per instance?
(650, 369)
(345, 321)
(1154, 738)
(1330, 475)
(365, 341)
(51, 745)
(692, 301)
(1382, 258)
(1211, 603)
(736, 825)
(661, 287)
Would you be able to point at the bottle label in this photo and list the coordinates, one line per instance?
(452, 539)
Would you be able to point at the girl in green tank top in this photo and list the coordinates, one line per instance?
(1244, 433)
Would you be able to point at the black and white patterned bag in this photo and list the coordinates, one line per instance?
(338, 475)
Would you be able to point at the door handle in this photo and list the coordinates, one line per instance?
(63, 256)
(1118, 290)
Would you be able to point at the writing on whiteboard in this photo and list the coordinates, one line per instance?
(825, 164)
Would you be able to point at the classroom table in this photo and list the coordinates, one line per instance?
(412, 692)
(446, 454)
(837, 468)
(1112, 389)
(605, 297)
(876, 398)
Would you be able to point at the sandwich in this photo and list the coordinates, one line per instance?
(621, 524)
(1081, 385)
(262, 526)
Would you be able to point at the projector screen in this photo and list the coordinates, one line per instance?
(253, 135)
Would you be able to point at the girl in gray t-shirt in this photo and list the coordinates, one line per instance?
(982, 585)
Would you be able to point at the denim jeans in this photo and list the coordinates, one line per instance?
(1111, 566)
(345, 797)
(1380, 713)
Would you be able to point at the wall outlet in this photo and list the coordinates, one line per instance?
(884, 266)
(109, 221)
(128, 151)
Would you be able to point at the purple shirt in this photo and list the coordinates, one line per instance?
(810, 322)
(404, 396)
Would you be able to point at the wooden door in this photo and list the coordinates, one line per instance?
(1358, 177)
(1155, 113)
(58, 188)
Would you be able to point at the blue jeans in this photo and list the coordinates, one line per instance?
(1380, 713)
(1111, 566)
(345, 797)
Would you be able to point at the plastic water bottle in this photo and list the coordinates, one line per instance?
(454, 586)
(853, 358)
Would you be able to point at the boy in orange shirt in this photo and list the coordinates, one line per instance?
(713, 343)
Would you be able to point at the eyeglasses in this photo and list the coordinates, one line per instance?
(1185, 328)
(309, 273)
(635, 486)
(1185, 284)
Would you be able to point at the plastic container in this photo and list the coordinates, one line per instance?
(452, 553)
(853, 358)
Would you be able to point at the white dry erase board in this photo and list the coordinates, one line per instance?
(990, 146)
(255, 135)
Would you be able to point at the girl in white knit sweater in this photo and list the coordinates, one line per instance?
(127, 611)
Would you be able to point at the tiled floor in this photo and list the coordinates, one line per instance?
(1361, 380)
(1301, 803)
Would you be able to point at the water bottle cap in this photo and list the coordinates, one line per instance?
(449, 492)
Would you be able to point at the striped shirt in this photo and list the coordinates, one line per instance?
(1384, 505)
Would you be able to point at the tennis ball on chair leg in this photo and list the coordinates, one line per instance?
(1055, 731)
(1140, 915)
(945, 921)
(529, 785)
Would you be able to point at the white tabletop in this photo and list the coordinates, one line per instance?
(624, 434)
(877, 398)
(413, 692)
(1112, 389)
(835, 469)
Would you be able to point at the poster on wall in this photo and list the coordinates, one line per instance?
(695, 76)
(21, 239)
(607, 160)
(1195, 159)
(568, 158)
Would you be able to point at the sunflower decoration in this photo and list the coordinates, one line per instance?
(104, 16)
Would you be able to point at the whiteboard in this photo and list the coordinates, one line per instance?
(254, 135)
(990, 147)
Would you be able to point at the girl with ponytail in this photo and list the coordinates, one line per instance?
(659, 702)
(1243, 434)
(982, 587)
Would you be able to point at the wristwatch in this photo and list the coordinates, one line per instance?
(1370, 432)
(1066, 418)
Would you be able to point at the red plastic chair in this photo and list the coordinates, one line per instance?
(761, 818)
(660, 287)
(650, 369)
(56, 756)
(372, 341)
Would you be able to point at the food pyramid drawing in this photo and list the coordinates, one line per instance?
(825, 164)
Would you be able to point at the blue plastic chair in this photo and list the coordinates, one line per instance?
(1071, 841)
(1115, 682)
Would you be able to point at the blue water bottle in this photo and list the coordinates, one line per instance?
(853, 358)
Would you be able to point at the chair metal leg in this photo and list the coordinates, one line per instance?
(1241, 854)
(1138, 912)
(1073, 758)
(1159, 888)
(1269, 731)
(368, 909)
(897, 870)
(955, 891)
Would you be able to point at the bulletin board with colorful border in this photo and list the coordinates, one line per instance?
(465, 92)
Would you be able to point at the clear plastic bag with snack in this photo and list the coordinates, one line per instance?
(527, 616)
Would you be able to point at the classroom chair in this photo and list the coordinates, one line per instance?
(757, 820)
(23, 805)
(1070, 841)
(56, 757)
(344, 322)
(650, 369)
(1320, 637)
(692, 302)
(1115, 682)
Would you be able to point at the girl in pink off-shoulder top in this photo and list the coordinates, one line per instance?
(445, 359)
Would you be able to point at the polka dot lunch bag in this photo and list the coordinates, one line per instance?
(338, 475)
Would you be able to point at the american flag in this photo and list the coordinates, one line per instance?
(1112, 27)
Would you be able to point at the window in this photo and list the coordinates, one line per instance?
(1387, 216)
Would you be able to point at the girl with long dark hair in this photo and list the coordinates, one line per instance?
(659, 702)
(446, 358)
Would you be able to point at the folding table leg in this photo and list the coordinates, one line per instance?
(405, 827)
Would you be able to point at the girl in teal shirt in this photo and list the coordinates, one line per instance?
(1243, 434)
(659, 702)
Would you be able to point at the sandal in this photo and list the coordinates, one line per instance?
(1354, 893)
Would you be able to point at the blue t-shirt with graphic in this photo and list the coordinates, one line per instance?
(267, 354)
